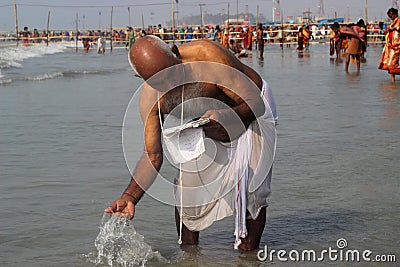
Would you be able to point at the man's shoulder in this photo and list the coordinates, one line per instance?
(205, 50)
(200, 44)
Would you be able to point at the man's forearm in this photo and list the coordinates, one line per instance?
(249, 111)
(133, 191)
(145, 173)
(232, 122)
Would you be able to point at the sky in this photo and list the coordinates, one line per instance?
(95, 14)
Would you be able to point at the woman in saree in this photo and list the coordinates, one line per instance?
(390, 55)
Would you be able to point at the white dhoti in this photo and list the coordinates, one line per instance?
(234, 176)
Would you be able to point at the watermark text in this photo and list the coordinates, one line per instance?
(338, 253)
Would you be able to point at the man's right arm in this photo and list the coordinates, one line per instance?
(150, 162)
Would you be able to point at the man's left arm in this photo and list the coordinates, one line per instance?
(234, 121)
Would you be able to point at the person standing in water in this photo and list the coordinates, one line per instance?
(260, 40)
(354, 49)
(389, 59)
(241, 170)
(25, 36)
(300, 40)
(335, 41)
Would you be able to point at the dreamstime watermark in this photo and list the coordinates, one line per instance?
(338, 253)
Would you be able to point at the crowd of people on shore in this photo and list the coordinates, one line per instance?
(348, 40)
(287, 33)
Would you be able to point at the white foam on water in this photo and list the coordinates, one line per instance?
(13, 56)
(5, 81)
(45, 76)
(118, 244)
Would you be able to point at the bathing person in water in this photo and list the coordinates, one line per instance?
(389, 59)
(244, 126)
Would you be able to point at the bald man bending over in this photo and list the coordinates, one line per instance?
(204, 79)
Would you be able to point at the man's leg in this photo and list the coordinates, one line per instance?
(346, 69)
(338, 52)
(255, 229)
(188, 237)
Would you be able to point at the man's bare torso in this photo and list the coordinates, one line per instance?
(211, 52)
(196, 97)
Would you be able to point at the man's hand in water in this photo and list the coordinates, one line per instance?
(122, 207)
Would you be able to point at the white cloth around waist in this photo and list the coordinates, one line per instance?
(231, 176)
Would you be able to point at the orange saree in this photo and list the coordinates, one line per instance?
(390, 55)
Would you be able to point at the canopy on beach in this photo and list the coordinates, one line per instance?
(339, 20)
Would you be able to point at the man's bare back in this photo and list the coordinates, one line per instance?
(204, 50)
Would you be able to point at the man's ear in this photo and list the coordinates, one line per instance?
(175, 50)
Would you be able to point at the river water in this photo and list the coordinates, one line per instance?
(336, 173)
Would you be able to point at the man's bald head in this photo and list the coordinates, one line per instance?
(150, 55)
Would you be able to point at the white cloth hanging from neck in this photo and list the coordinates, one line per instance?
(184, 145)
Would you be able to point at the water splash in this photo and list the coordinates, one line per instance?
(118, 244)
